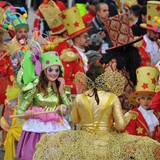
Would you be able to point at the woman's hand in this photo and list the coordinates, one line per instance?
(28, 113)
(62, 84)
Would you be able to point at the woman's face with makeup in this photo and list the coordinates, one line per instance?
(52, 72)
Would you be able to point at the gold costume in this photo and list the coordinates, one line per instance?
(98, 137)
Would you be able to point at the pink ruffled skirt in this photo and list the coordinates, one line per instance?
(35, 127)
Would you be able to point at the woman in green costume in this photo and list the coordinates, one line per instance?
(45, 93)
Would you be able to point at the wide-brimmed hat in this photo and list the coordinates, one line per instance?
(147, 79)
(153, 16)
(73, 22)
(50, 13)
(120, 32)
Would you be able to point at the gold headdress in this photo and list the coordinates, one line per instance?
(108, 81)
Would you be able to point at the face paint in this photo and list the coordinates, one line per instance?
(52, 70)
(52, 73)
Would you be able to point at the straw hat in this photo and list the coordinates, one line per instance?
(153, 16)
(147, 79)
(73, 22)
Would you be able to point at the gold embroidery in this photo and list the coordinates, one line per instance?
(68, 55)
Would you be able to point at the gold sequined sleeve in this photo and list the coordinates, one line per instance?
(118, 116)
(75, 118)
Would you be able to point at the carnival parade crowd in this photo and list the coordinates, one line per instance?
(87, 86)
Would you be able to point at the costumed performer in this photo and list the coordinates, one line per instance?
(155, 104)
(26, 75)
(47, 93)
(98, 112)
(150, 45)
(6, 69)
(58, 34)
(19, 24)
(74, 58)
(142, 120)
(123, 56)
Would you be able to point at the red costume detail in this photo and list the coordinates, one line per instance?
(149, 17)
(155, 105)
(63, 16)
(76, 24)
(88, 17)
(145, 57)
(6, 71)
(153, 80)
(158, 8)
(138, 126)
(71, 68)
(145, 85)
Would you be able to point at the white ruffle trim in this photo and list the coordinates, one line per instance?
(38, 126)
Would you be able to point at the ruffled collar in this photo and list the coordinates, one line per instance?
(151, 46)
(17, 44)
(83, 56)
(150, 118)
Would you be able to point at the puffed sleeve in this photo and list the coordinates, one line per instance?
(118, 116)
(131, 127)
(75, 117)
(26, 100)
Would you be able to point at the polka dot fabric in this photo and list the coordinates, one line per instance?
(51, 58)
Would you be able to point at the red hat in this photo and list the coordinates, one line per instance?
(73, 22)
(120, 32)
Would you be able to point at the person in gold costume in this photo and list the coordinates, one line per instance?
(99, 114)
